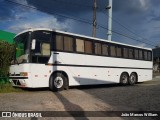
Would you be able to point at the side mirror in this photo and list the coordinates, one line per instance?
(33, 44)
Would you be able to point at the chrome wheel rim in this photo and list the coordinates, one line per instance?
(58, 82)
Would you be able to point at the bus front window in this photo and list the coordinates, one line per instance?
(22, 48)
(40, 49)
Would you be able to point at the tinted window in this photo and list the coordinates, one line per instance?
(42, 43)
(79, 45)
(149, 56)
(140, 55)
(119, 51)
(45, 49)
(145, 55)
(88, 47)
(68, 43)
(42, 36)
(59, 42)
(105, 49)
(113, 50)
(125, 52)
(130, 53)
(136, 54)
(98, 48)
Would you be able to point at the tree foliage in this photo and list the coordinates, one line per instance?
(7, 52)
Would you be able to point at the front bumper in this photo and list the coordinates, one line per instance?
(18, 81)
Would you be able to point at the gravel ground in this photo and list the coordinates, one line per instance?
(141, 97)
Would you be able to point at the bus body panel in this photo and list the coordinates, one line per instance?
(83, 69)
(89, 69)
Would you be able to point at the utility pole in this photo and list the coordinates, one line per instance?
(109, 7)
(94, 19)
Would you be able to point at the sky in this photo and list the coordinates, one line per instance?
(136, 19)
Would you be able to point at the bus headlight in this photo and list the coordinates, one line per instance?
(23, 73)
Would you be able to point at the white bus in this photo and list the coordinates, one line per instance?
(56, 59)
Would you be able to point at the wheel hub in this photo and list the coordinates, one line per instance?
(58, 82)
(124, 79)
(132, 79)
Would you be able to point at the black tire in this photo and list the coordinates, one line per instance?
(57, 82)
(132, 79)
(124, 78)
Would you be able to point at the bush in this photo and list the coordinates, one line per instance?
(7, 52)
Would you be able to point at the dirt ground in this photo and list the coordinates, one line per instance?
(141, 97)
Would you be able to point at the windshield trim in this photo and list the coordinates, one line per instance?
(33, 30)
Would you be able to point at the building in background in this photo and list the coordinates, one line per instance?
(6, 36)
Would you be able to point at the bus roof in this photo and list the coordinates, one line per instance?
(78, 35)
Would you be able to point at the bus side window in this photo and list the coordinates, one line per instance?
(119, 51)
(125, 52)
(88, 47)
(59, 42)
(105, 49)
(79, 45)
(45, 49)
(149, 56)
(68, 43)
(98, 48)
(130, 53)
(145, 55)
(140, 55)
(113, 50)
(136, 54)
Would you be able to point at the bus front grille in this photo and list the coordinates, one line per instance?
(16, 82)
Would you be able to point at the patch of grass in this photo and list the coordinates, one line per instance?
(8, 88)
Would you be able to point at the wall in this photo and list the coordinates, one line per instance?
(6, 36)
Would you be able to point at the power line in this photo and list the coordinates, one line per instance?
(131, 31)
(71, 3)
(80, 20)
(73, 18)
(125, 35)
(77, 4)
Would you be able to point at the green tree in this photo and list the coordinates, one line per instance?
(7, 52)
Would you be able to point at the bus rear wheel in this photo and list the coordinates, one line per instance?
(57, 82)
(124, 79)
(132, 79)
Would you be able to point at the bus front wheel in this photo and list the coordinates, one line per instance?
(124, 79)
(57, 82)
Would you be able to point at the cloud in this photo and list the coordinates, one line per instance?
(142, 45)
(23, 18)
(9, 11)
(5, 12)
(141, 16)
(24, 2)
(131, 6)
(144, 4)
(24, 6)
(49, 22)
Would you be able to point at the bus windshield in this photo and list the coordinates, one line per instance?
(26, 53)
(22, 48)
